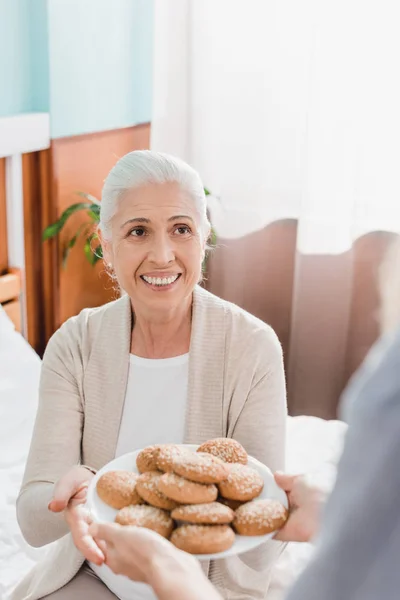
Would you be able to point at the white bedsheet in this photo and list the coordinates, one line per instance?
(311, 442)
(19, 379)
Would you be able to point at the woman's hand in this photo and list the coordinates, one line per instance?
(143, 555)
(70, 496)
(307, 495)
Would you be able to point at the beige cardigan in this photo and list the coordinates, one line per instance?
(236, 389)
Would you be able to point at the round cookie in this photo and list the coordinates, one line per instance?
(213, 513)
(146, 516)
(226, 449)
(202, 468)
(147, 488)
(203, 539)
(146, 460)
(167, 454)
(184, 491)
(260, 517)
(118, 489)
(242, 483)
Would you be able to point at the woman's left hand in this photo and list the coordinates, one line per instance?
(70, 496)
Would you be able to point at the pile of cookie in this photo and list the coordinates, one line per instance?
(197, 500)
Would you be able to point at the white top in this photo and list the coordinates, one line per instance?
(154, 413)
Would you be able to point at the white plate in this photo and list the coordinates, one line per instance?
(102, 513)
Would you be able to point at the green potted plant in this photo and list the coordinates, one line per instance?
(88, 230)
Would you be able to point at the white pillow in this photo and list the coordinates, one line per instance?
(312, 444)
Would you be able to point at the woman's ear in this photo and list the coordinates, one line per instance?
(106, 248)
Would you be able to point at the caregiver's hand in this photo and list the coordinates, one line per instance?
(70, 496)
(143, 555)
(307, 495)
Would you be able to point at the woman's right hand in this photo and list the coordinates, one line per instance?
(307, 496)
(70, 497)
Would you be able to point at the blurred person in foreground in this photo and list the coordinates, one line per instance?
(358, 543)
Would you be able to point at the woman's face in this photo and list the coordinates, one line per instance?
(156, 248)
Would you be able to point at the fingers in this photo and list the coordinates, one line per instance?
(90, 550)
(285, 481)
(72, 494)
(283, 535)
(78, 520)
(75, 481)
(124, 554)
(102, 545)
(108, 532)
(296, 529)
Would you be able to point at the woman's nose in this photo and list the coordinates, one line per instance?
(162, 251)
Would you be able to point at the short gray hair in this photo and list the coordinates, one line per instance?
(143, 167)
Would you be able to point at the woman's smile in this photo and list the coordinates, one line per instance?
(161, 282)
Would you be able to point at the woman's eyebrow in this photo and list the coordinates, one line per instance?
(144, 220)
(176, 217)
(135, 220)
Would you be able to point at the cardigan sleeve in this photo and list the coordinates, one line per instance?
(56, 440)
(260, 427)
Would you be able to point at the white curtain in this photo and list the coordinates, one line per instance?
(290, 109)
(287, 109)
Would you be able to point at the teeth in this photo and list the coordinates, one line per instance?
(160, 280)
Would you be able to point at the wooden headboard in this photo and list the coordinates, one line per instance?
(10, 292)
(28, 268)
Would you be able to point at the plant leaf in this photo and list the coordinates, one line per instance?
(89, 197)
(93, 255)
(97, 254)
(71, 243)
(207, 192)
(88, 249)
(51, 231)
(55, 228)
(94, 215)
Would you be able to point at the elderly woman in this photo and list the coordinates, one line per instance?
(166, 362)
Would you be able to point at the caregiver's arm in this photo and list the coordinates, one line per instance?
(56, 442)
(357, 553)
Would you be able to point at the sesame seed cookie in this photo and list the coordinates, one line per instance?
(203, 539)
(146, 516)
(212, 513)
(147, 488)
(146, 460)
(242, 483)
(118, 489)
(184, 491)
(167, 454)
(226, 449)
(260, 517)
(202, 468)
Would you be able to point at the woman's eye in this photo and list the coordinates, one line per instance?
(182, 230)
(137, 232)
